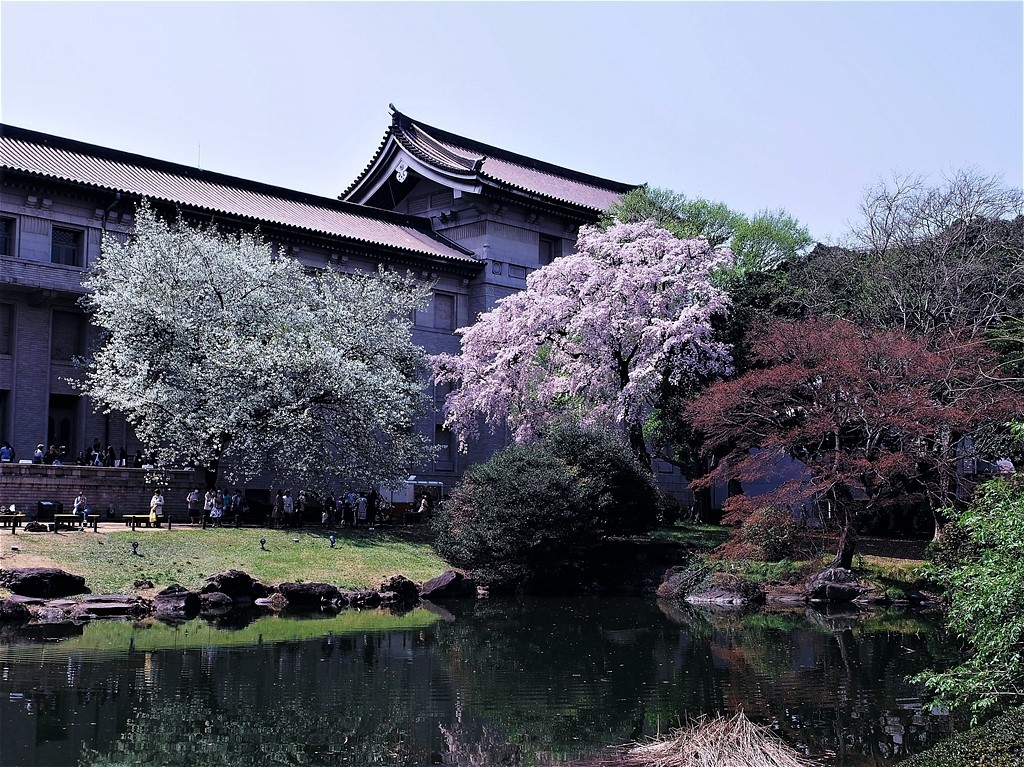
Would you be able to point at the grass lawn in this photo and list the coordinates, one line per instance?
(185, 555)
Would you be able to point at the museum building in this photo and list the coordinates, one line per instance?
(472, 219)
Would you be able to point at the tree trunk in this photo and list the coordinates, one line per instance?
(639, 445)
(847, 545)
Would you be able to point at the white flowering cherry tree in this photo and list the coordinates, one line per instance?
(221, 353)
(593, 337)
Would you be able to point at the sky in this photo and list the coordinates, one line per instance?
(761, 105)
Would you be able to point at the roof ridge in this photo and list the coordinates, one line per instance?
(29, 136)
(493, 152)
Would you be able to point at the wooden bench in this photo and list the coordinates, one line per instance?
(71, 521)
(135, 520)
(11, 520)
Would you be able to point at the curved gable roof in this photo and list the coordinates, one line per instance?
(463, 159)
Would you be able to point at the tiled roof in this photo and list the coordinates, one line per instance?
(460, 156)
(52, 157)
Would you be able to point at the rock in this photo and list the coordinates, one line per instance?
(14, 611)
(720, 596)
(275, 601)
(51, 615)
(679, 581)
(240, 586)
(448, 585)
(363, 598)
(215, 601)
(402, 589)
(111, 606)
(786, 595)
(42, 582)
(835, 584)
(309, 594)
(177, 602)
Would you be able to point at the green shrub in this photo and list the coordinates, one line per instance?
(985, 591)
(517, 520)
(996, 743)
(534, 513)
(622, 494)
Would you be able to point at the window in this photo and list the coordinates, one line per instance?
(444, 311)
(549, 250)
(6, 236)
(66, 247)
(63, 417)
(6, 328)
(441, 392)
(66, 336)
(443, 459)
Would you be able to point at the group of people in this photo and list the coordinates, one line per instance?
(94, 456)
(216, 506)
(349, 508)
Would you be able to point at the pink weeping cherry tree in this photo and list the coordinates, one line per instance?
(594, 339)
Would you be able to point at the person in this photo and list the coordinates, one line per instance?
(275, 510)
(81, 506)
(192, 500)
(6, 453)
(288, 509)
(218, 511)
(37, 456)
(156, 506)
(122, 458)
(424, 508)
(361, 509)
(208, 500)
(137, 461)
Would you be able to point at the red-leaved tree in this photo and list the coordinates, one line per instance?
(876, 417)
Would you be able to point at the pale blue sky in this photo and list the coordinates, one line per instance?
(769, 104)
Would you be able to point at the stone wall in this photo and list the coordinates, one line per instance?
(127, 490)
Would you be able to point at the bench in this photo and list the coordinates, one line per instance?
(11, 520)
(135, 520)
(71, 521)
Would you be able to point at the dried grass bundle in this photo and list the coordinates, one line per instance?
(715, 742)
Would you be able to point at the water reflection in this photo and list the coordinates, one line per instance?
(488, 683)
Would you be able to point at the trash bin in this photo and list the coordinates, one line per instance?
(47, 509)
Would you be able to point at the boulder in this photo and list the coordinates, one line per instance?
(215, 601)
(449, 585)
(276, 601)
(835, 584)
(42, 582)
(363, 598)
(111, 606)
(679, 581)
(721, 597)
(401, 588)
(14, 611)
(309, 594)
(240, 586)
(177, 602)
(47, 614)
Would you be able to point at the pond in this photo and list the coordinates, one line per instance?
(495, 682)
